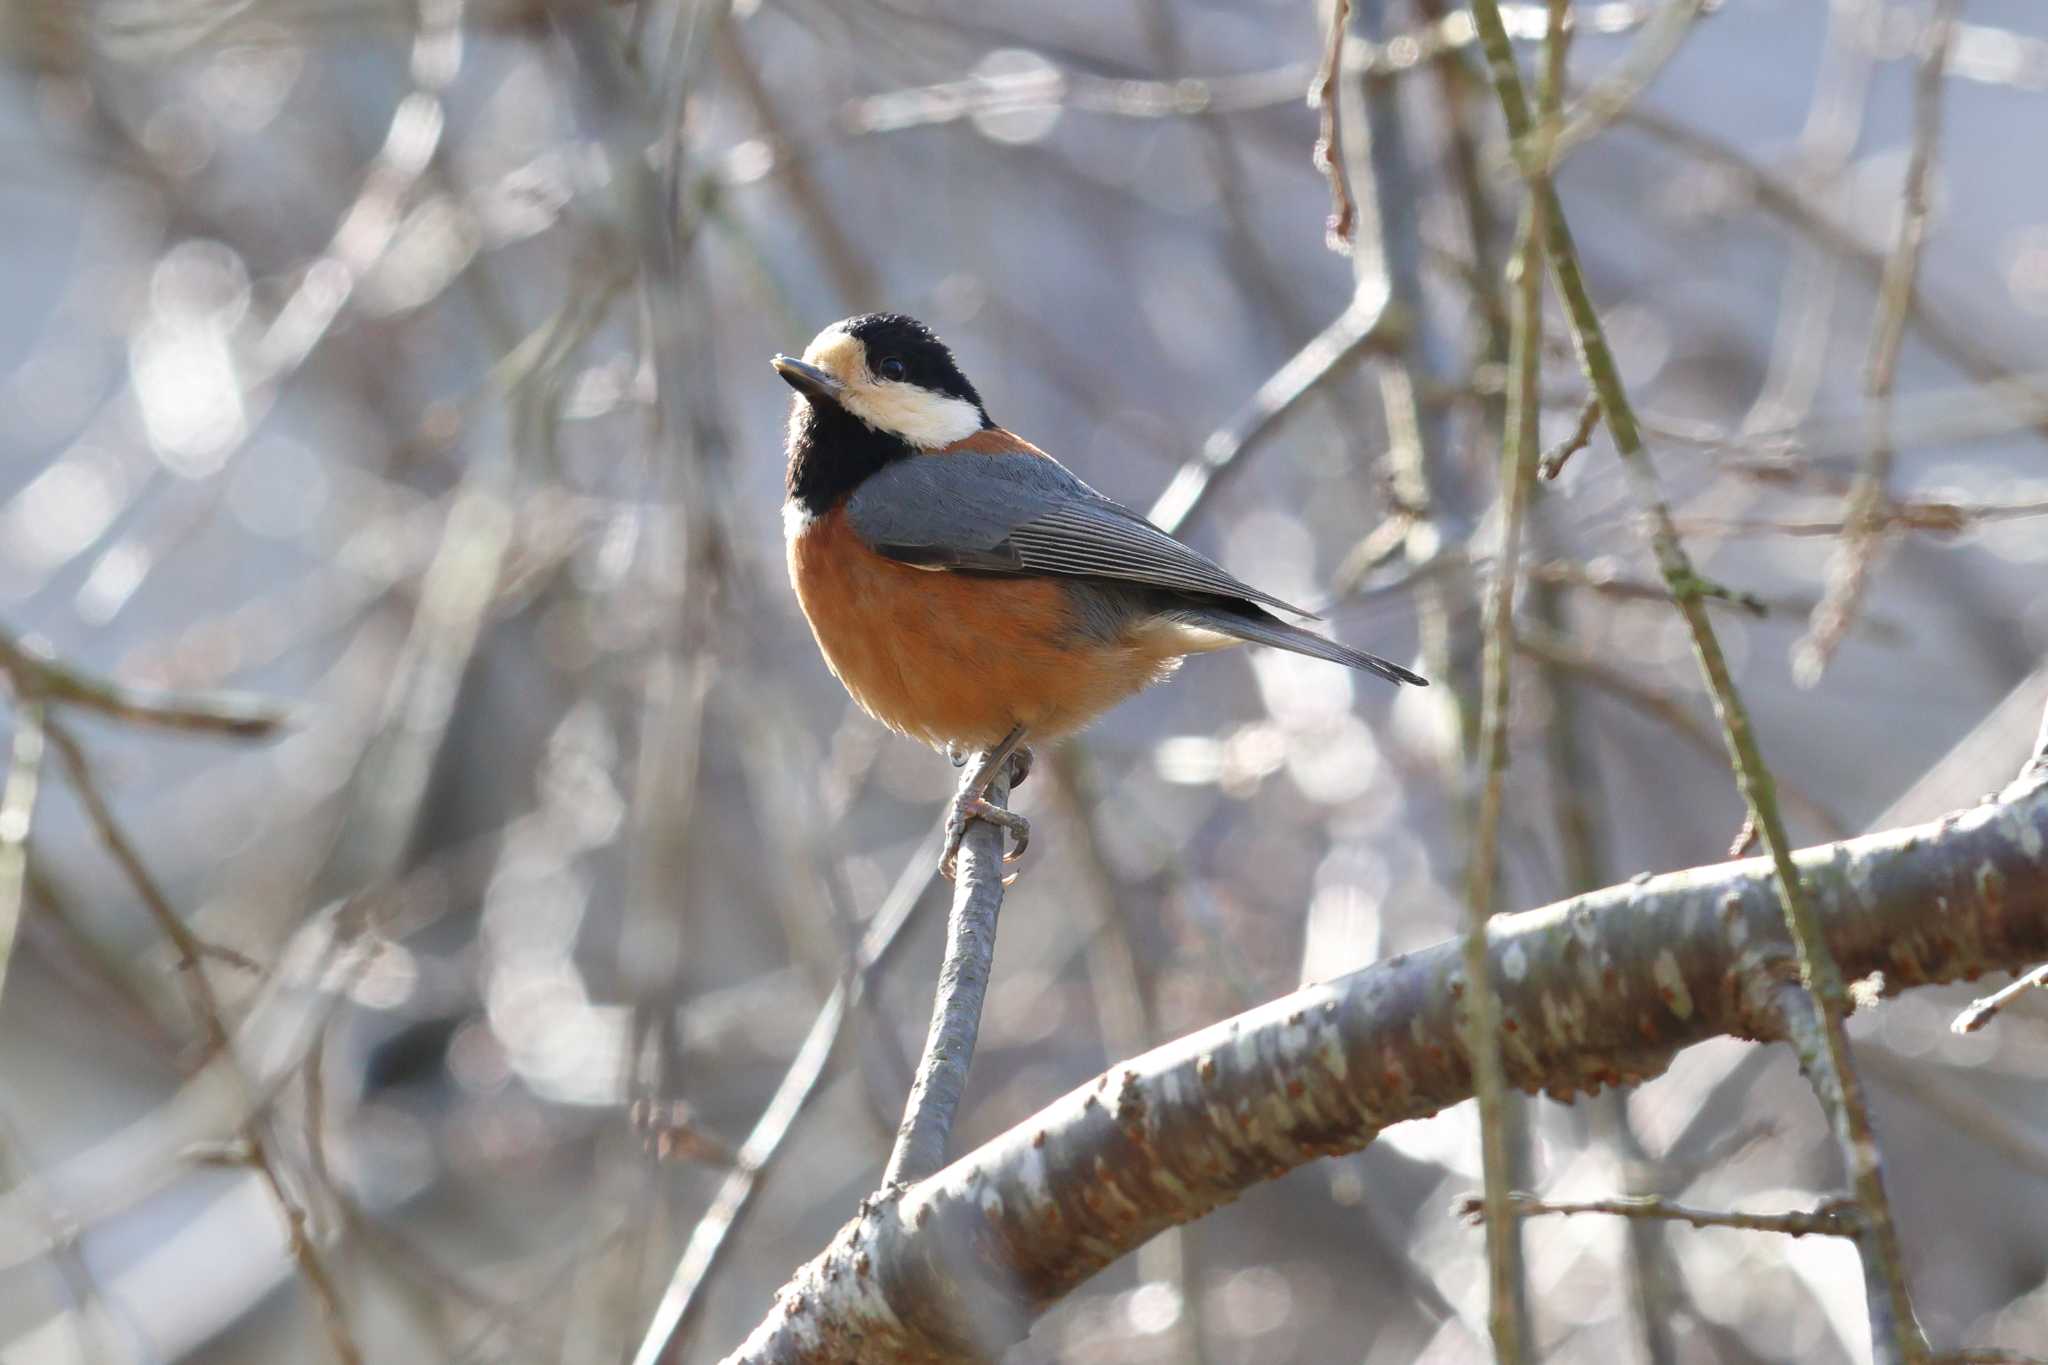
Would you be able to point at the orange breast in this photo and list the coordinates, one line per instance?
(952, 659)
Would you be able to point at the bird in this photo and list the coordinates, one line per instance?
(965, 587)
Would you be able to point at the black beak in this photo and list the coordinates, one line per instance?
(808, 380)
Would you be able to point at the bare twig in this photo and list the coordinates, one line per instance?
(1984, 1008)
(1855, 558)
(37, 673)
(1896, 1333)
(255, 1149)
(1329, 149)
(1430, 496)
(1835, 1218)
(941, 1076)
(1602, 578)
(17, 812)
(1928, 518)
(1554, 458)
(1518, 458)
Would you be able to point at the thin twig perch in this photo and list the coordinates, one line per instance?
(956, 1007)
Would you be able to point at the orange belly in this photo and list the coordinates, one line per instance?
(952, 659)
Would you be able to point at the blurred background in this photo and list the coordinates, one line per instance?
(386, 380)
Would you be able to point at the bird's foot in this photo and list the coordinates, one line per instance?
(958, 756)
(971, 806)
(971, 802)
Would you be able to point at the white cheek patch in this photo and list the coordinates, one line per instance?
(925, 419)
(795, 517)
(921, 417)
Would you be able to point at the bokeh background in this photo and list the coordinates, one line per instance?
(403, 366)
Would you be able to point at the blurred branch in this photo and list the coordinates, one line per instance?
(1970, 350)
(1366, 321)
(1855, 558)
(1518, 458)
(254, 1148)
(1601, 578)
(1895, 1333)
(38, 674)
(1190, 96)
(1563, 653)
(1599, 990)
(1931, 518)
(17, 811)
(1126, 990)
(1985, 53)
(851, 273)
(1620, 87)
(1835, 1218)
(667, 1336)
(1959, 1099)
(1432, 497)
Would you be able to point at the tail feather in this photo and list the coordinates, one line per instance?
(1258, 627)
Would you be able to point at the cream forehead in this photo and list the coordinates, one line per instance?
(838, 354)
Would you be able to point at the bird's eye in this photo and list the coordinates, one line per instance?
(892, 367)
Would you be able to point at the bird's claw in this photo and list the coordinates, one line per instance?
(966, 808)
(958, 756)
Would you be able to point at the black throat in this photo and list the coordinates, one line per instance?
(832, 452)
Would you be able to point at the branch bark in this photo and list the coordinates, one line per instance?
(1600, 990)
(956, 1005)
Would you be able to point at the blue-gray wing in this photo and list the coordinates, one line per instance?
(1019, 513)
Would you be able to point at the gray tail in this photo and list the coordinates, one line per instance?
(1260, 628)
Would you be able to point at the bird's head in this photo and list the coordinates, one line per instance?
(889, 373)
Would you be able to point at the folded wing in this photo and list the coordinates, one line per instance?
(1020, 513)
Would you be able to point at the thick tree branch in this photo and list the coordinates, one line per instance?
(1598, 990)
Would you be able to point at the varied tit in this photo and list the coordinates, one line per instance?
(966, 588)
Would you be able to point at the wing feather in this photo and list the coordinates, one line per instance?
(1017, 513)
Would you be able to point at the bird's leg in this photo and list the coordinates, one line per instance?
(970, 802)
